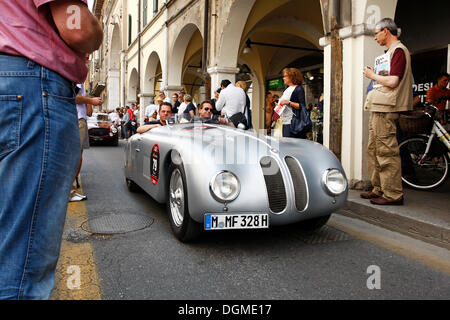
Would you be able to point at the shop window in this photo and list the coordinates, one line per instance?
(130, 21)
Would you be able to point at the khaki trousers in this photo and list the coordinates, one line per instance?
(82, 125)
(383, 160)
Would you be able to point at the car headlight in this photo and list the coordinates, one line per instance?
(334, 181)
(113, 130)
(225, 186)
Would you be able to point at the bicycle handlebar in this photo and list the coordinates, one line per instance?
(428, 105)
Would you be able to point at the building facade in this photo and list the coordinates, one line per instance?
(191, 45)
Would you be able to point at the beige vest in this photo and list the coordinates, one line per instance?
(400, 98)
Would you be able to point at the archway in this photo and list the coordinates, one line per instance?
(180, 54)
(133, 87)
(153, 76)
(274, 35)
(113, 76)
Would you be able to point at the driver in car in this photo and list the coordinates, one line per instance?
(205, 111)
(165, 112)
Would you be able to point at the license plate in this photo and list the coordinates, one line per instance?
(236, 221)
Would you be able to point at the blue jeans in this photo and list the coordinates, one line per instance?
(39, 154)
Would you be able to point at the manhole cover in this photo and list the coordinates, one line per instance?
(117, 223)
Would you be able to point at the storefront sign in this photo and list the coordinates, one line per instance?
(276, 83)
(426, 66)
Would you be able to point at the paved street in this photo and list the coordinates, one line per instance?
(277, 264)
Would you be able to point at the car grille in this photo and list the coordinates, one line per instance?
(301, 193)
(276, 190)
(99, 132)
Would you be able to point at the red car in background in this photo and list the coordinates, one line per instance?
(102, 130)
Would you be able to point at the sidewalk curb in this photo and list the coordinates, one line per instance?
(394, 221)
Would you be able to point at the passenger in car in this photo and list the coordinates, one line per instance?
(165, 112)
(205, 111)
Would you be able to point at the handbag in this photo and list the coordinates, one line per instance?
(238, 118)
(300, 120)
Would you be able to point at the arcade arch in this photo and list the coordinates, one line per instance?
(153, 76)
(113, 75)
(266, 29)
(133, 87)
(179, 53)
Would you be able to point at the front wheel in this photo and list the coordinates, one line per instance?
(183, 226)
(427, 174)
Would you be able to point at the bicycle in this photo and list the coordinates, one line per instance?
(425, 155)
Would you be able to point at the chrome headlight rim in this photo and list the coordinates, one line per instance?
(325, 181)
(215, 196)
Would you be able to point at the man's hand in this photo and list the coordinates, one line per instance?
(387, 81)
(76, 25)
(79, 99)
(368, 72)
(96, 101)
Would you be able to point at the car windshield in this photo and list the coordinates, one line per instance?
(102, 117)
(98, 118)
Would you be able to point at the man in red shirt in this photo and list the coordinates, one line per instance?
(439, 93)
(43, 44)
(132, 125)
(385, 102)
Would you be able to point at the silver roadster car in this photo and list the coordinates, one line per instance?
(217, 177)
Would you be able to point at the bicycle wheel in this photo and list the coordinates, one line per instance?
(429, 174)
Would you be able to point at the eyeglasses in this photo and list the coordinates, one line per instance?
(207, 109)
(377, 32)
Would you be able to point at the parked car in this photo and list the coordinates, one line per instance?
(217, 177)
(102, 130)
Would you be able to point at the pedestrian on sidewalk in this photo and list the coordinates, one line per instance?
(391, 94)
(84, 110)
(232, 99)
(42, 57)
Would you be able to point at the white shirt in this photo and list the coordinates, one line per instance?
(136, 115)
(114, 117)
(287, 114)
(232, 100)
(150, 109)
(181, 108)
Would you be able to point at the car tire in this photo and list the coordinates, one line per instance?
(132, 186)
(115, 142)
(313, 224)
(183, 226)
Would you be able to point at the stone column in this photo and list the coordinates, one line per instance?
(221, 73)
(123, 68)
(359, 50)
(113, 90)
(144, 100)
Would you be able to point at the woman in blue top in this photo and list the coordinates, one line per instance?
(189, 112)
